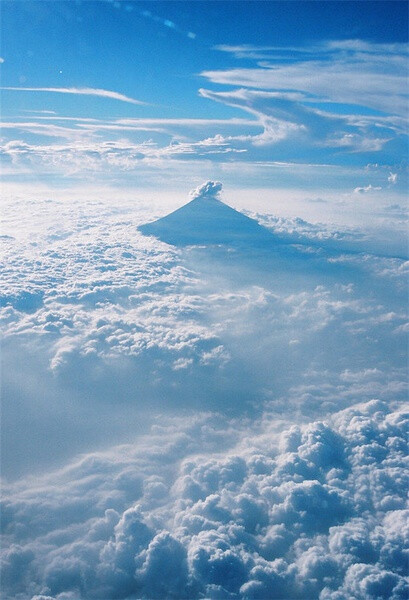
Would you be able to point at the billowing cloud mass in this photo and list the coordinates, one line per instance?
(210, 189)
(199, 423)
(193, 511)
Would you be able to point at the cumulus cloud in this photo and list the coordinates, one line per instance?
(105, 310)
(268, 469)
(367, 188)
(210, 189)
(314, 511)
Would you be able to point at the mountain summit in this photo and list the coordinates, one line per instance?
(207, 220)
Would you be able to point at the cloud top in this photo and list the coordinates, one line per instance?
(288, 516)
(209, 189)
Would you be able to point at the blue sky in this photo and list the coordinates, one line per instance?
(144, 50)
(205, 86)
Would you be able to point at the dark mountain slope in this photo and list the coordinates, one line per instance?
(208, 221)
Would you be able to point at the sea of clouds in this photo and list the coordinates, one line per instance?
(195, 422)
(210, 509)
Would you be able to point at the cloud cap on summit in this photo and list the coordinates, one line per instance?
(209, 189)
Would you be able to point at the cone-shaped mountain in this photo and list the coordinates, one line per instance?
(207, 220)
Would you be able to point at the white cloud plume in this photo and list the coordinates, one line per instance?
(209, 189)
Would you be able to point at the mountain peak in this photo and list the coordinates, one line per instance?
(206, 220)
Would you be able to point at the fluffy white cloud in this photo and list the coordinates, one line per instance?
(315, 511)
(366, 189)
(252, 482)
(210, 189)
(216, 328)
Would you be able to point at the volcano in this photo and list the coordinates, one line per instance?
(206, 220)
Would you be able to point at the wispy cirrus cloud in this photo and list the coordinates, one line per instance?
(175, 129)
(350, 71)
(252, 51)
(78, 91)
(291, 112)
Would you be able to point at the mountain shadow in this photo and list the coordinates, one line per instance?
(220, 240)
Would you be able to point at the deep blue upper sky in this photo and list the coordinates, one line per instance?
(113, 45)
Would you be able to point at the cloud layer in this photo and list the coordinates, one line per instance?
(126, 321)
(272, 387)
(315, 511)
(209, 189)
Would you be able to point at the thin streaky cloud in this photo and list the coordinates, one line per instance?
(78, 91)
(329, 46)
(142, 121)
(42, 112)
